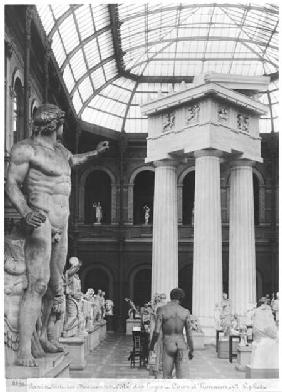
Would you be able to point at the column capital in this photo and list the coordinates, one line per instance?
(166, 163)
(208, 153)
(241, 163)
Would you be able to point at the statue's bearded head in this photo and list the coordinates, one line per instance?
(47, 119)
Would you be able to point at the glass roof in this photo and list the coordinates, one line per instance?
(115, 57)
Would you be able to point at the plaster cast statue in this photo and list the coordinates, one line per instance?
(147, 211)
(99, 212)
(265, 345)
(250, 314)
(103, 304)
(109, 307)
(41, 166)
(275, 308)
(15, 283)
(226, 315)
(217, 312)
(97, 308)
(171, 319)
(159, 300)
(90, 309)
(132, 308)
(73, 318)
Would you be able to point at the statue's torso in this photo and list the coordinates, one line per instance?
(173, 317)
(47, 185)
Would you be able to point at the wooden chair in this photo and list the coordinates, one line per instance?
(140, 349)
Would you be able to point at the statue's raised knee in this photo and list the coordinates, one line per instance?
(40, 287)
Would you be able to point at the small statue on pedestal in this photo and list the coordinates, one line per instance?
(225, 315)
(73, 318)
(147, 211)
(98, 213)
(132, 312)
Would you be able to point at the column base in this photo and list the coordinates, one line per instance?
(261, 373)
(208, 328)
(243, 358)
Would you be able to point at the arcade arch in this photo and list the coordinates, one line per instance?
(106, 193)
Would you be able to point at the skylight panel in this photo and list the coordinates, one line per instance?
(84, 21)
(46, 17)
(106, 44)
(76, 100)
(85, 89)
(101, 16)
(58, 49)
(68, 78)
(59, 9)
(98, 77)
(117, 93)
(110, 69)
(78, 65)
(125, 83)
(246, 68)
(92, 53)
(69, 34)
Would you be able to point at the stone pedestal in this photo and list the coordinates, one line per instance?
(261, 373)
(242, 260)
(243, 357)
(76, 347)
(165, 232)
(51, 366)
(102, 330)
(207, 264)
(93, 337)
(130, 324)
(223, 348)
(198, 340)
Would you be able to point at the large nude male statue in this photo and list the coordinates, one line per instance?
(171, 319)
(38, 185)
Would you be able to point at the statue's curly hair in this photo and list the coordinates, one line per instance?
(177, 294)
(47, 119)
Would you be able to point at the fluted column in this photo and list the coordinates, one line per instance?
(207, 263)
(242, 260)
(165, 234)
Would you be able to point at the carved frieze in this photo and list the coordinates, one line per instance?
(222, 113)
(168, 121)
(192, 114)
(243, 122)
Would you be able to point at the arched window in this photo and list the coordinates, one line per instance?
(188, 198)
(17, 112)
(142, 286)
(97, 189)
(143, 194)
(96, 279)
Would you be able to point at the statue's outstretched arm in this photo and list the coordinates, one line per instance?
(79, 159)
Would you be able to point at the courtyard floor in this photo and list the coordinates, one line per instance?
(110, 360)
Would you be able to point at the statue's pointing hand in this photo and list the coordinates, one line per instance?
(102, 146)
(35, 218)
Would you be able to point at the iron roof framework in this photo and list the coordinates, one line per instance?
(115, 57)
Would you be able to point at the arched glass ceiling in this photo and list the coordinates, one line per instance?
(114, 57)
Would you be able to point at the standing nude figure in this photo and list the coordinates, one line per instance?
(38, 185)
(171, 319)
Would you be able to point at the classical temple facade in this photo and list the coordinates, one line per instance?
(117, 254)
